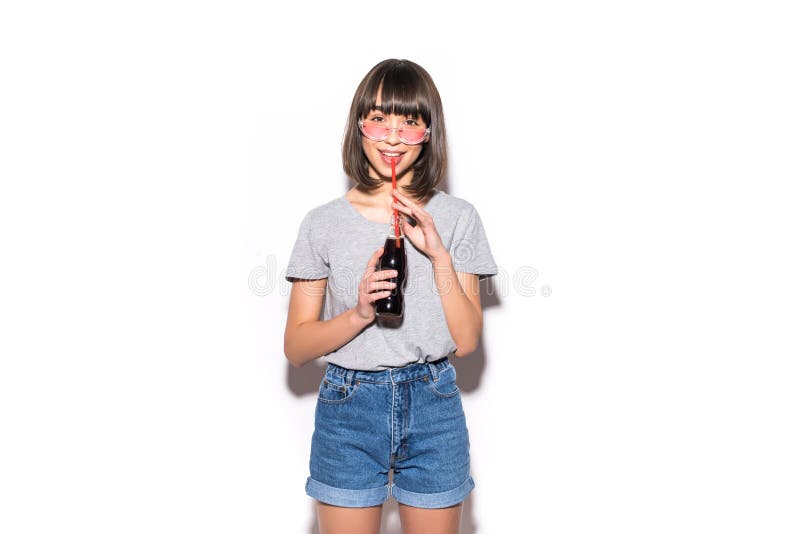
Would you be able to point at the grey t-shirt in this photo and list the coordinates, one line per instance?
(335, 242)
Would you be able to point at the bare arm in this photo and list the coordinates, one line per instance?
(461, 301)
(307, 338)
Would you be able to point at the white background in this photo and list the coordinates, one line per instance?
(637, 158)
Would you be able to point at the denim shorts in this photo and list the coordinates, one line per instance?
(408, 420)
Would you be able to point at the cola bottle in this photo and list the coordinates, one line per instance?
(394, 257)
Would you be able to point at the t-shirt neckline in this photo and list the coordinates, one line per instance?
(352, 209)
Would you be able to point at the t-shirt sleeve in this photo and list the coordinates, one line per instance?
(309, 257)
(470, 250)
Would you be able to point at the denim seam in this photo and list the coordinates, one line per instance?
(337, 496)
(434, 372)
(454, 495)
(367, 381)
(335, 386)
(339, 401)
(391, 425)
(443, 395)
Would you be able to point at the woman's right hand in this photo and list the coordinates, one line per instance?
(373, 286)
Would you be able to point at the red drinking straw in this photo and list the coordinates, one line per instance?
(396, 220)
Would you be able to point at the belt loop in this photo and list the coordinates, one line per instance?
(348, 377)
(434, 372)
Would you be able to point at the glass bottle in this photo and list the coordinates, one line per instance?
(393, 257)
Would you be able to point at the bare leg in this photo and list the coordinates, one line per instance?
(430, 521)
(341, 520)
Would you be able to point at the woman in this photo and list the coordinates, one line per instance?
(389, 399)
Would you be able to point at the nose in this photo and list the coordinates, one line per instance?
(392, 137)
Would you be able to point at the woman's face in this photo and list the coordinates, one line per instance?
(380, 153)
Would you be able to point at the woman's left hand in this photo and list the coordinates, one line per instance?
(424, 235)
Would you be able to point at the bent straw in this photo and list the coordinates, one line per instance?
(396, 219)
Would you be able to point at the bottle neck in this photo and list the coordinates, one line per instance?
(394, 231)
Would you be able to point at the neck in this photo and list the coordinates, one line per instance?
(385, 190)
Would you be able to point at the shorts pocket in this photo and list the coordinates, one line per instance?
(446, 385)
(336, 393)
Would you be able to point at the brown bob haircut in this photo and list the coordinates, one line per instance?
(406, 89)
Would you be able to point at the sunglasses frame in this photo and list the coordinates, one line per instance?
(388, 130)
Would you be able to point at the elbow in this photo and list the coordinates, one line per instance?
(293, 360)
(468, 343)
(464, 349)
(291, 355)
(294, 363)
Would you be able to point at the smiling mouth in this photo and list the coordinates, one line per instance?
(391, 154)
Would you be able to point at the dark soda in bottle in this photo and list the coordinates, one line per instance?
(394, 257)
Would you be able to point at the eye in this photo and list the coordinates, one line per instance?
(411, 123)
(376, 118)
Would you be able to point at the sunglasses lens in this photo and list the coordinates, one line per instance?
(412, 137)
(374, 131)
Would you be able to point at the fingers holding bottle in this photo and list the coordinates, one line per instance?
(422, 233)
(374, 285)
